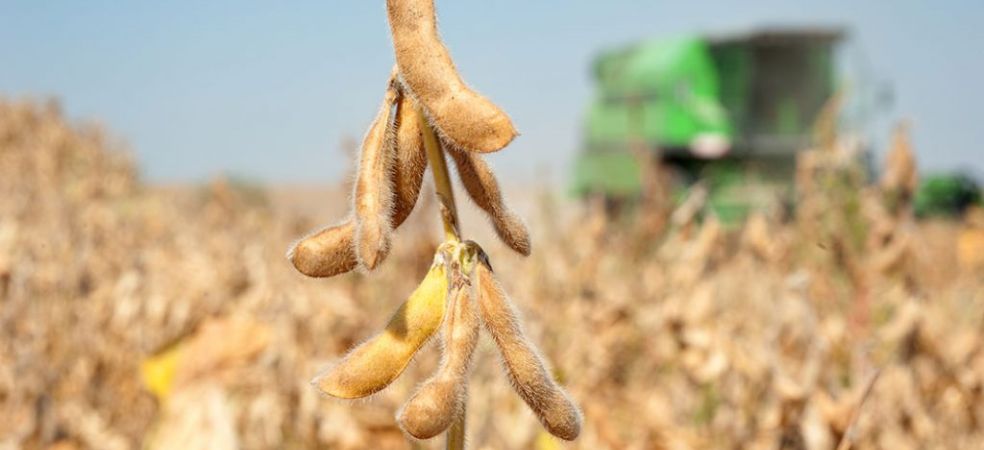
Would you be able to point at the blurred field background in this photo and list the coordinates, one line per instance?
(147, 316)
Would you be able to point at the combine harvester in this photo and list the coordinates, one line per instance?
(732, 110)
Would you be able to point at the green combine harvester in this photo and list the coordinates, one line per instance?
(732, 110)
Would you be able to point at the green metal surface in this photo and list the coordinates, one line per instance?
(662, 92)
(733, 63)
(613, 173)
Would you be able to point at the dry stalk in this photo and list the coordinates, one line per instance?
(848, 437)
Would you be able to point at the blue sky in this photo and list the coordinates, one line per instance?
(269, 89)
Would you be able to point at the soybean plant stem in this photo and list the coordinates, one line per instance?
(442, 182)
(456, 434)
(449, 217)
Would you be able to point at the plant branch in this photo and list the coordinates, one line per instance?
(449, 217)
(456, 434)
(442, 181)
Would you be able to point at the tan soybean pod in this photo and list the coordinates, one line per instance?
(441, 399)
(462, 116)
(527, 372)
(411, 160)
(374, 364)
(374, 187)
(483, 188)
(330, 251)
(326, 253)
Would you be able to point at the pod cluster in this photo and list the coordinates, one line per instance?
(424, 90)
(459, 296)
(427, 112)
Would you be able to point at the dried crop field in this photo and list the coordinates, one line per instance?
(136, 316)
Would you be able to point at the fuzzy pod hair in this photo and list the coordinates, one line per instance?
(326, 253)
(527, 371)
(483, 188)
(373, 198)
(465, 118)
(374, 364)
(441, 399)
(411, 160)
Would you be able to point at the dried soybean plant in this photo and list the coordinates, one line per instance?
(435, 113)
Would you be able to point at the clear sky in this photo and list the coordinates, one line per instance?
(269, 89)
